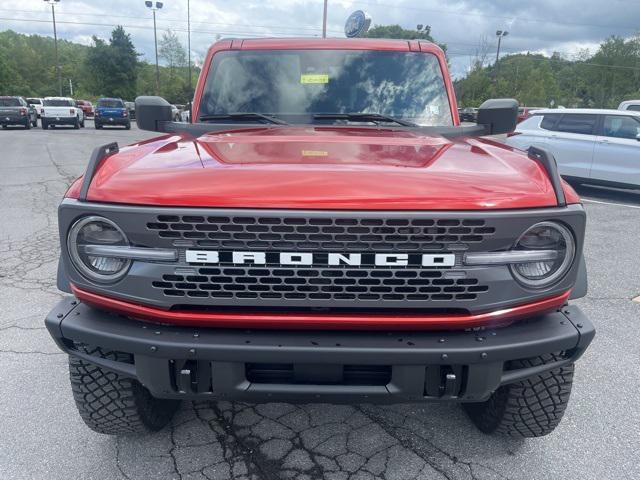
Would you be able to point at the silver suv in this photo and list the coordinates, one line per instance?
(590, 146)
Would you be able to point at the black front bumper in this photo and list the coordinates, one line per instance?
(13, 119)
(319, 366)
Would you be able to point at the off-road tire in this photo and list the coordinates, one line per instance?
(529, 408)
(112, 404)
(76, 124)
(44, 123)
(98, 125)
(128, 126)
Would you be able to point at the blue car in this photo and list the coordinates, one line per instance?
(111, 111)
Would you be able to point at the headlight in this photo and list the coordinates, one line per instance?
(97, 231)
(545, 236)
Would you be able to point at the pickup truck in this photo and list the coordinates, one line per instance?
(16, 111)
(61, 111)
(37, 104)
(111, 111)
(324, 230)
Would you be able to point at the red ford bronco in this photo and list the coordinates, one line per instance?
(323, 230)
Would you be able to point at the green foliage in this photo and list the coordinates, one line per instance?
(601, 80)
(27, 67)
(396, 31)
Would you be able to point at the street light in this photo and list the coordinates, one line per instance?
(499, 34)
(55, 41)
(155, 6)
(189, 45)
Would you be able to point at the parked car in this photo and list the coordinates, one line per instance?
(131, 108)
(86, 106)
(326, 257)
(525, 112)
(37, 103)
(16, 111)
(175, 113)
(633, 105)
(590, 146)
(469, 114)
(111, 111)
(61, 111)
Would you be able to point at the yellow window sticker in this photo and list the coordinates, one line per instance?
(314, 153)
(314, 78)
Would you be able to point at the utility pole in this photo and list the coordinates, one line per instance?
(70, 88)
(499, 34)
(55, 42)
(155, 6)
(189, 46)
(324, 20)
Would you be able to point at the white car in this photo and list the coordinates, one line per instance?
(37, 104)
(632, 105)
(590, 146)
(61, 111)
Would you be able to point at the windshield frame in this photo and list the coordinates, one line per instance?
(328, 44)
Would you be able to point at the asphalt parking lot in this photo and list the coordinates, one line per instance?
(43, 437)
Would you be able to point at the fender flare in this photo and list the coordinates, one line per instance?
(581, 286)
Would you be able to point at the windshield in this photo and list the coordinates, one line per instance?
(34, 101)
(406, 85)
(58, 103)
(110, 103)
(9, 102)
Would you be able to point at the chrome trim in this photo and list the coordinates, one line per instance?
(512, 256)
(133, 253)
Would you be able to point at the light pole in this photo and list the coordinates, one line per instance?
(499, 34)
(324, 20)
(55, 41)
(189, 43)
(155, 6)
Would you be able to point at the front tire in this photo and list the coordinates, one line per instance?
(27, 125)
(112, 404)
(97, 125)
(128, 126)
(76, 124)
(529, 408)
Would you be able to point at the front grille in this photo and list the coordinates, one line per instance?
(329, 284)
(321, 233)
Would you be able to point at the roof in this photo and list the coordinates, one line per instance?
(586, 111)
(331, 43)
(58, 98)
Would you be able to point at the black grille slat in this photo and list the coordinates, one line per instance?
(308, 234)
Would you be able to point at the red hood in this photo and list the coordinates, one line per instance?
(322, 168)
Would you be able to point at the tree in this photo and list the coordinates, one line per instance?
(396, 31)
(172, 51)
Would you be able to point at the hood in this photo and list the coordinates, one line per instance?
(322, 168)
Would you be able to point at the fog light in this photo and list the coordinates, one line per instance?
(97, 231)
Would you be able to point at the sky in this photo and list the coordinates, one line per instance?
(543, 26)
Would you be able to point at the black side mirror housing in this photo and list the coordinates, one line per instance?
(498, 115)
(152, 113)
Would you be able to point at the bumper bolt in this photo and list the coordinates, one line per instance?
(60, 315)
(154, 349)
(479, 339)
(483, 355)
(157, 332)
(579, 325)
(441, 340)
(444, 356)
(192, 351)
(196, 335)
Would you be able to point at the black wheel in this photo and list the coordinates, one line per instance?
(44, 123)
(27, 124)
(530, 408)
(97, 125)
(112, 404)
(4, 127)
(35, 123)
(76, 124)
(82, 123)
(128, 126)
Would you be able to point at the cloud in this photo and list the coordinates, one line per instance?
(541, 26)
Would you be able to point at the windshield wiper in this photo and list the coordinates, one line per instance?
(243, 116)
(364, 117)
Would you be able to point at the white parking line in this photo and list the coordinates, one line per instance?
(610, 203)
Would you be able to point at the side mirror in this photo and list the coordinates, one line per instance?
(498, 115)
(152, 113)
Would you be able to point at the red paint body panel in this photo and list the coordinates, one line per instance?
(323, 168)
(322, 321)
